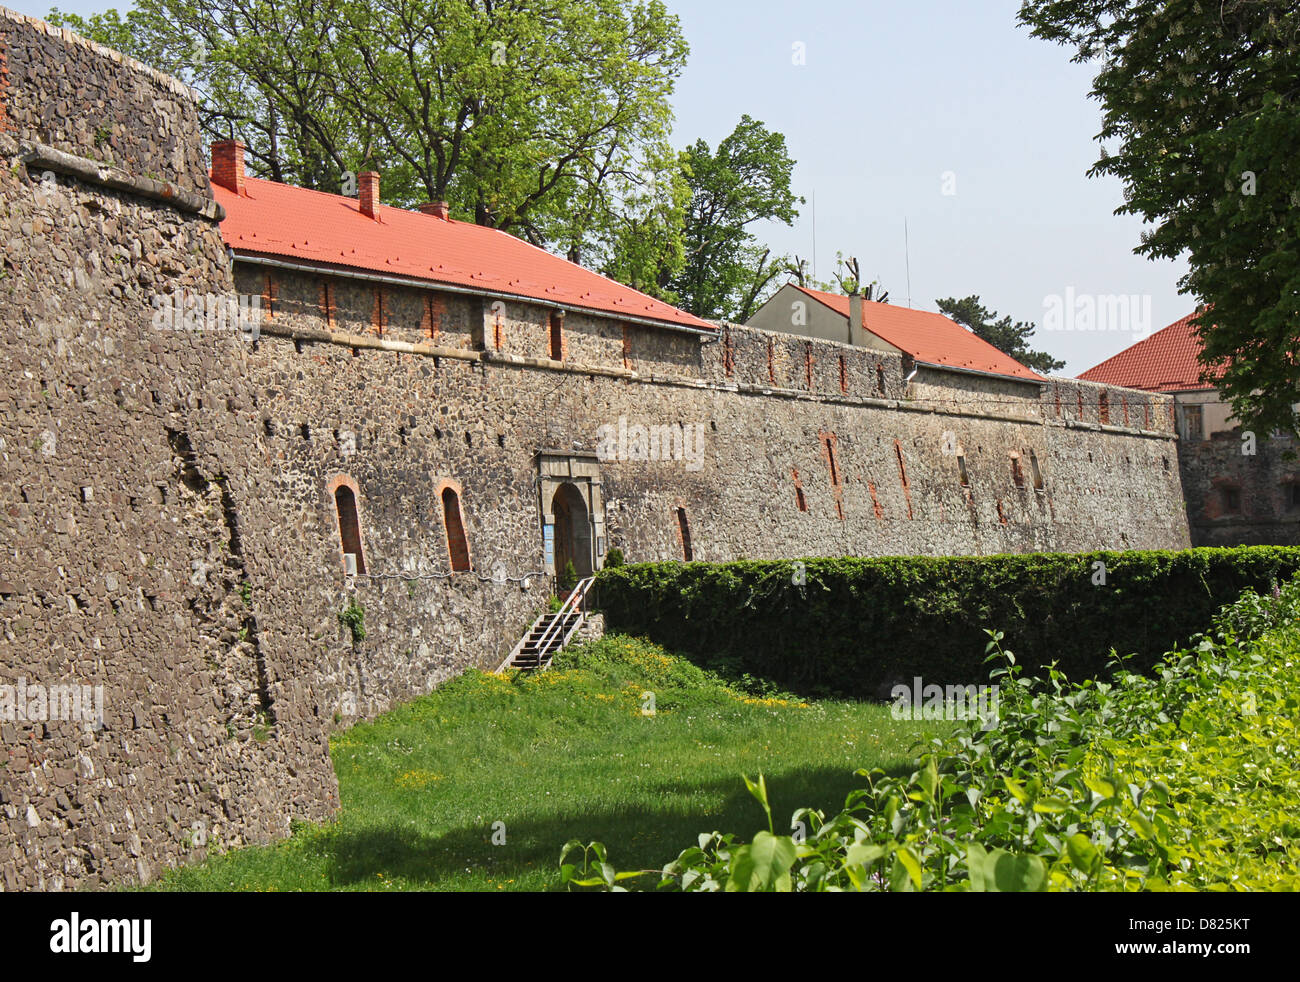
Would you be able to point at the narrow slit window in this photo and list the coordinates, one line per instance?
(684, 526)
(345, 503)
(1017, 473)
(1035, 471)
(557, 336)
(961, 471)
(457, 544)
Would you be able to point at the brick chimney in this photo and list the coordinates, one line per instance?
(228, 165)
(438, 209)
(368, 186)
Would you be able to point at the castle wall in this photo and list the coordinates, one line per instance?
(126, 455)
(169, 517)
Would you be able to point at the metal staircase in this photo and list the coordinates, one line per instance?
(550, 633)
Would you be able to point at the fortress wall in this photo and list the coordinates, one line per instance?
(123, 450)
(167, 497)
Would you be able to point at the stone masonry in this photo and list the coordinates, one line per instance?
(168, 509)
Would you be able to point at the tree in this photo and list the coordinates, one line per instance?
(539, 117)
(746, 180)
(1201, 102)
(1009, 338)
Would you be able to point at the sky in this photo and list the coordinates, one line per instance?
(944, 115)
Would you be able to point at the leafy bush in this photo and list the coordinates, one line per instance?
(568, 578)
(614, 558)
(850, 626)
(353, 617)
(1185, 780)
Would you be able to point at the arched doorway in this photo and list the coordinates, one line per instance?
(572, 531)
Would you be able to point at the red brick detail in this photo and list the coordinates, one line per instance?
(627, 348)
(830, 453)
(450, 497)
(431, 321)
(875, 501)
(1124, 403)
(4, 89)
(1103, 408)
(1057, 389)
(902, 476)
(268, 296)
(1002, 516)
(799, 497)
(771, 361)
(1079, 393)
(1146, 415)
(377, 313)
(327, 303)
(228, 165)
(728, 354)
(368, 192)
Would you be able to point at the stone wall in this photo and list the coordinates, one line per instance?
(1235, 497)
(127, 458)
(169, 517)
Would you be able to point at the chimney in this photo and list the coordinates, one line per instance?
(855, 319)
(368, 186)
(438, 209)
(228, 165)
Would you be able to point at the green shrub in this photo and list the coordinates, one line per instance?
(353, 617)
(850, 626)
(1185, 780)
(614, 558)
(568, 578)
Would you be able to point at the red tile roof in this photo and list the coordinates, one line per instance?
(314, 227)
(928, 337)
(1164, 362)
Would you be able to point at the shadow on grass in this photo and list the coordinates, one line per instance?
(640, 839)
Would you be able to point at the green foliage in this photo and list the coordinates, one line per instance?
(1009, 338)
(1201, 118)
(546, 118)
(746, 180)
(614, 558)
(353, 617)
(568, 578)
(861, 623)
(558, 754)
(1185, 780)
(554, 604)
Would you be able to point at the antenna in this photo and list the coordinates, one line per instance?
(814, 230)
(907, 254)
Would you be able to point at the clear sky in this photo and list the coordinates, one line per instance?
(896, 103)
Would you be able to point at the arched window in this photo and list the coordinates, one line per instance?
(457, 544)
(684, 527)
(345, 505)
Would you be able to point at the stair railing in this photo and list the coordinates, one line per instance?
(576, 598)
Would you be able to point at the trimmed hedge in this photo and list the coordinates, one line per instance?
(858, 625)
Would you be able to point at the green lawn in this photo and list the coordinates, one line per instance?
(566, 754)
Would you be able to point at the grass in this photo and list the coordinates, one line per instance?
(570, 753)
